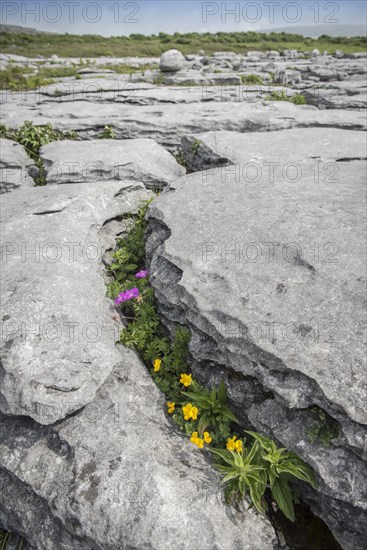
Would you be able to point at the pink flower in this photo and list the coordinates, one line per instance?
(127, 295)
(141, 274)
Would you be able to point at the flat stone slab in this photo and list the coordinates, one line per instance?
(58, 335)
(290, 153)
(282, 213)
(168, 123)
(116, 475)
(15, 165)
(142, 160)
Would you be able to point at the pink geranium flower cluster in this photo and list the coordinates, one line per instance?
(126, 295)
(141, 274)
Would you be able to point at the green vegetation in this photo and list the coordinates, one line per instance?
(203, 414)
(70, 45)
(195, 146)
(214, 412)
(297, 99)
(16, 78)
(108, 133)
(324, 429)
(127, 69)
(180, 158)
(251, 79)
(17, 543)
(33, 138)
(158, 79)
(262, 464)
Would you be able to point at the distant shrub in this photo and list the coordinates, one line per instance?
(251, 79)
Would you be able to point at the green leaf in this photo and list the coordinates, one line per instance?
(242, 486)
(282, 495)
(257, 490)
(229, 476)
(130, 267)
(230, 491)
(299, 470)
(213, 396)
(203, 424)
(224, 454)
(229, 414)
(223, 469)
(222, 393)
(265, 442)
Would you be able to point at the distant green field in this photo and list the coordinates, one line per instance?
(68, 45)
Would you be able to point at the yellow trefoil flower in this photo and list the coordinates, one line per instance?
(157, 365)
(190, 412)
(207, 437)
(186, 379)
(170, 406)
(197, 440)
(233, 445)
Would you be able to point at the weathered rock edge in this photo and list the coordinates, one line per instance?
(57, 332)
(108, 473)
(338, 501)
(113, 475)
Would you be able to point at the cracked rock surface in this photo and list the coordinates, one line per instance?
(113, 475)
(271, 280)
(290, 153)
(141, 160)
(88, 459)
(267, 272)
(58, 337)
(168, 123)
(15, 167)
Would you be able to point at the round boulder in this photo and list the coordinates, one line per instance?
(171, 61)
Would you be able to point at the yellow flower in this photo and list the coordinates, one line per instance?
(157, 365)
(207, 437)
(199, 443)
(170, 406)
(233, 445)
(186, 379)
(194, 437)
(197, 440)
(190, 412)
(230, 443)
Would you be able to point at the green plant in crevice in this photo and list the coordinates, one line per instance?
(215, 415)
(180, 158)
(4, 537)
(278, 96)
(259, 466)
(251, 79)
(195, 146)
(324, 429)
(158, 78)
(297, 99)
(129, 255)
(108, 133)
(201, 413)
(32, 138)
(18, 79)
(7, 540)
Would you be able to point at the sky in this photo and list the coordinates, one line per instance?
(124, 17)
